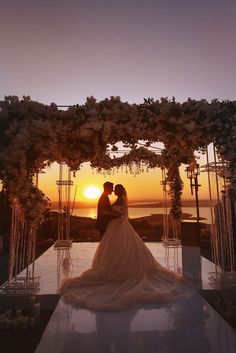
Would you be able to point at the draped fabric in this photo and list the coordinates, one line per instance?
(123, 273)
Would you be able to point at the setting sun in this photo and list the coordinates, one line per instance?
(92, 192)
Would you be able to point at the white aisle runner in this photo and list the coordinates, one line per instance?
(189, 327)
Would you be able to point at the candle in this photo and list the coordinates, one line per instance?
(13, 324)
(18, 322)
(24, 322)
(37, 311)
(18, 313)
(32, 321)
(1, 323)
(8, 313)
(7, 323)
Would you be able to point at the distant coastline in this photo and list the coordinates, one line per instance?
(157, 204)
(136, 204)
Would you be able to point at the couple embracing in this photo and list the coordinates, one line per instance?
(124, 272)
(105, 211)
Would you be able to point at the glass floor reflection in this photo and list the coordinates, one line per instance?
(192, 326)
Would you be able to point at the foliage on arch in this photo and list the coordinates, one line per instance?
(33, 135)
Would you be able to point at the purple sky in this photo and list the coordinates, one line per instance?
(63, 51)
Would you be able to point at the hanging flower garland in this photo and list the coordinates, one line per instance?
(136, 156)
(33, 135)
(176, 187)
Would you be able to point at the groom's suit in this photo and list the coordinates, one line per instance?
(103, 219)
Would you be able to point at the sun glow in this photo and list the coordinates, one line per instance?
(92, 192)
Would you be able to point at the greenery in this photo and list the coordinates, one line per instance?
(34, 135)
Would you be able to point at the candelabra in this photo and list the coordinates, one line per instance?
(193, 170)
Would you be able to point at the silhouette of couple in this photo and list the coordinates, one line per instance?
(123, 272)
(105, 211)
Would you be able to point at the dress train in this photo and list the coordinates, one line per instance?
(123, 273)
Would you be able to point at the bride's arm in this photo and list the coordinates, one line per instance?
(120, 208)
(111, 212)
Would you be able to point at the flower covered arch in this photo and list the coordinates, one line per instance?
(33, 135)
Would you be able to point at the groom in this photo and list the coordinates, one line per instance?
(104, 211)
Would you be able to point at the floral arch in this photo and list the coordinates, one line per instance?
(33, 135)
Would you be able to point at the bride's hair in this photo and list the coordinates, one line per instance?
(120, 190)
(122, 194)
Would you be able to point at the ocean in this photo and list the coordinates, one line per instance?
(136, 212)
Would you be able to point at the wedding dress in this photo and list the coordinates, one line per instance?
(123, 273)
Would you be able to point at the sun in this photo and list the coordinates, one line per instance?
(92, 192)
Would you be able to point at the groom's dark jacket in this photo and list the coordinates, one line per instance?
(103, 219)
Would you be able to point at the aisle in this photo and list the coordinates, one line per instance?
(191, 327)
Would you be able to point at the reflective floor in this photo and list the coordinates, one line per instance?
(187, 327)
(54, 265)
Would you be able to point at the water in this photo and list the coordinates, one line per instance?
(145, 211)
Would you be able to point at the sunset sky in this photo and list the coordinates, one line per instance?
(142, 186)
(63, 51)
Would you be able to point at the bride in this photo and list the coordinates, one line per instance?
(124, 271)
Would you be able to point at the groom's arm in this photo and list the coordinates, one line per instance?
(106, 209)
(110, 213)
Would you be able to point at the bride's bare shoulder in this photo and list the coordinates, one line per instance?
(117, 207)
